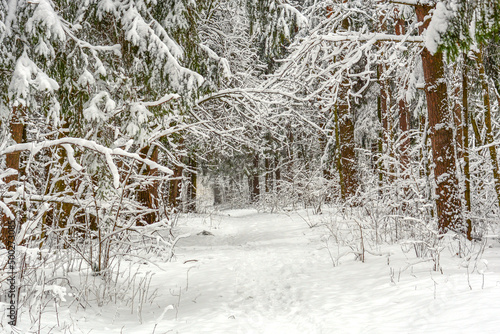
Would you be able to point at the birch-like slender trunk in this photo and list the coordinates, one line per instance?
(487, 124)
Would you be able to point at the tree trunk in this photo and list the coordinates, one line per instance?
(324, 147)
(191, 206)
(175, 187)
(148, 196)
(448, 202)
(487, 123)
(465, 147)
(347, 157)
(255, 193)
(380, 141)
(384, 112)
(338, 159)
(344, 132)
(404, 116)
(12, 160)
(269, 175)
(277, 174)
(458, 120)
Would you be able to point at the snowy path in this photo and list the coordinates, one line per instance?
(262, 273)
(251, 274)
(271, 273)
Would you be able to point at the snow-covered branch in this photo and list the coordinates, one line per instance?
(166, 98)
(374, 37)
(244, 92)
(223, 61)
(411, 2)
(35, 147)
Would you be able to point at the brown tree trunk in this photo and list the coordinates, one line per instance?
(487, 123)
(384, 114)
(63, 210)
(347, 156)
(448, 202)
(12, 160)
(277, 173)
(175, 187)
(191, 207)
(465, 148)
(344, 132)
(457, 120)
(380, 141)
(269, 175)
(324, 148)
(338, 158)
(148, 196)
(404, 127)
(255, 193)
(404, 116)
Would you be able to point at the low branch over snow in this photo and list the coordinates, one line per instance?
(245, 92)
(412, 2)
(35, 147)
(375, 37)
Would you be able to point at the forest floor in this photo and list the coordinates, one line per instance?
(273, 273)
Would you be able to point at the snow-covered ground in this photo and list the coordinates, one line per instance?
(272, 273)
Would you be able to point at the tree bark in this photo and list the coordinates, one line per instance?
(448, 202)
(255, 193)
(458, 120)
(380, 140)
(344, 132)
(277, 174)
(191, 206)
(404, 116)
(384, 104)
(347, 156)
(465, 148)
(338, 159)
(12, 160)
(175, 187)
(148, 196)
(269, 175)
(488, 126)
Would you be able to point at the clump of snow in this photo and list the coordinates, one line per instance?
(99, 107)
(45, 16)
(86, 79)
(226, 70)
(27, 74)
(153, 38)
(106, 6)
(58, 292)
(302, 21)
(438, 26)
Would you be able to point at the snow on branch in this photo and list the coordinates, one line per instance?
(244, 92)
(226, 70)
(5, 209)
(166, 98)
(35, 147)
(375, 37)
(71, 157)
(411, 2)
(153, 38)
(302, 21)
